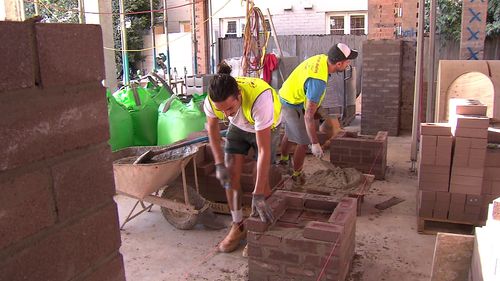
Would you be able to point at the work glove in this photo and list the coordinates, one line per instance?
(317, 150)
(222, 174)
(261, 209)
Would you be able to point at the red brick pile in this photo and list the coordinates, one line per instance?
(313, 235)
(458, 175)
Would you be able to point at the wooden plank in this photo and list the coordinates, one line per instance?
(452, 257)
(433, 226)
(389, 203)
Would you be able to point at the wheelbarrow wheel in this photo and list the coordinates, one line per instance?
(179, 219)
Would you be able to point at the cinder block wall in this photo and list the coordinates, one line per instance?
(381, 86)
(58, 220)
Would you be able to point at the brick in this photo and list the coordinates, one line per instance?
(78, 246)
(471, 133)
(468, 189)
(297, 243)
(110, 271)
(17, 56)
(83, 182)
(473, 200)
(492, 158)
(320, 202)
(432, 169)
(255, 224)
(427, 195)
(27, 206)
(467, 171)
(281, 256)
(264, 239)
(425, 208)
(291, 216)
(299, 271)
(31, 129)
(293, 199)
(461, 158)
(254, 251)
(433, 186)
(478, 122)
(433, 178)
(59, 44)
(323, 231)
(435, 129)
(467, 180)
(429, 141)
(261, 266)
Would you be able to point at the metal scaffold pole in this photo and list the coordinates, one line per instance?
(125, 68)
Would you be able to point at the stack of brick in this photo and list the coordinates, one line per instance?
(436, 144)
(58, 219)
(458, 188)
(313, 238)
(485, 264)
(470, 128)
(368, 154)
(381, 86)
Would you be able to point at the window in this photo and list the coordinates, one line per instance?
(231, 29)
(337, 25)
(358, 25)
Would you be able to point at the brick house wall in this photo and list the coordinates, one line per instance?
(58, 220)
(202, 38)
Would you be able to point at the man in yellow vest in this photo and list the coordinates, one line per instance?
(301, 94)
(254, 112)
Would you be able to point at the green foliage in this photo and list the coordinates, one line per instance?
(54, 10)
(140, 24)
(449, 18)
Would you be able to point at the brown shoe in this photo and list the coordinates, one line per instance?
(233, 238)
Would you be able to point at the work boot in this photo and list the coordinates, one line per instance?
(298, 178)
(233, 238)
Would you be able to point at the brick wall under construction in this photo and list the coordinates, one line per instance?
(58, 220)
(313, 238)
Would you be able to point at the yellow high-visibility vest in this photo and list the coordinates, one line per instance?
(251, 89)
(292, 90)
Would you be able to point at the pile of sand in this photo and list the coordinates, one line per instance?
(334, 181)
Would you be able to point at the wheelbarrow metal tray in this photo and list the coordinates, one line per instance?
(140, 180)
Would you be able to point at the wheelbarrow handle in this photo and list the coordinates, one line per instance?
(146, 156)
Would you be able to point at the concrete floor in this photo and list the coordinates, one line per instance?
(388, 246)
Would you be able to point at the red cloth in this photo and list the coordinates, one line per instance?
(270, 64)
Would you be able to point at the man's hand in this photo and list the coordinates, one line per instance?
(260, 208)
(317, 150)
(222, 175)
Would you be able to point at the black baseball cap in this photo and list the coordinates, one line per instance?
(341, 52)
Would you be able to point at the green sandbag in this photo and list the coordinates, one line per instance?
(158, 93)
(179, 121)
(120, 124)
(143, 111)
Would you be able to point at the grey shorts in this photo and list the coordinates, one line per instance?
(295, 125)
(240, 142)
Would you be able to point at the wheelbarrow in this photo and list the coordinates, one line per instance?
(180, 205)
